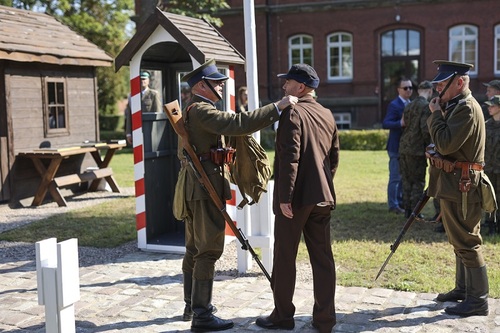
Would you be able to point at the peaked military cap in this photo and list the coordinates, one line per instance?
(207, 71)
(494, 83)
(493, 101)
(145, 75)
(447, 69)
(302, 73)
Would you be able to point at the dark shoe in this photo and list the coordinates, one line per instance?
(265, 322)
(210, 323)
(451, 296)
(476, 301)
(472, 306)
(396, 210)
(203, 317)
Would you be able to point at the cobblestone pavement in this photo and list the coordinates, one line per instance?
(142, 292)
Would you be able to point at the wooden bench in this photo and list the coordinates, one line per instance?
(86, 176)
(50, 183)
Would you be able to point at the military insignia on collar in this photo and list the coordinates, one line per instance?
(462, 101)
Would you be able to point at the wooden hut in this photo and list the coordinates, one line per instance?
(48, 92)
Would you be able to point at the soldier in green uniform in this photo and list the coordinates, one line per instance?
(457, 129)
(492, 154)
(205, 225)
(414, 139)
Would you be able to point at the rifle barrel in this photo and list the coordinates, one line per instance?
(418, 208)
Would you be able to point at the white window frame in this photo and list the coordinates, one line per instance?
(458, 37)
(343, 118)
(496, 51)
(301, 46)
(339, 47)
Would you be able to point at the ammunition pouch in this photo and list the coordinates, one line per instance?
(221, 156)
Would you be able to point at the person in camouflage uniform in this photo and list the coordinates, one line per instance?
(492, 153)
(415, 137)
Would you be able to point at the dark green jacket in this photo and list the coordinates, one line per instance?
(459, 135)
(205, 124)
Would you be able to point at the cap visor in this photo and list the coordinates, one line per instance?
(442, 77)
(216, 77)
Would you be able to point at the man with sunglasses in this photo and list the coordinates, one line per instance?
(394, 122)
(204, 226)
(457, 130)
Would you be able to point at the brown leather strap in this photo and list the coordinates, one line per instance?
(469, 166)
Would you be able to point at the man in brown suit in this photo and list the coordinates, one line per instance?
(307, 155)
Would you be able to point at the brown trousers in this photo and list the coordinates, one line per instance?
(314, 222)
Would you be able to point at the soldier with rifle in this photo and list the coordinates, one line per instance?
(457, 129)
(205, 225)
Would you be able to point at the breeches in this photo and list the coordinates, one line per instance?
(464, 234)
(204, 239)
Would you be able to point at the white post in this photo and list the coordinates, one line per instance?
(251, 58)
(58, 283)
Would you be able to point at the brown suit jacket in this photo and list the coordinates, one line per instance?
(307, 155)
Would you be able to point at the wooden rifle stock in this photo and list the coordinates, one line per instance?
(418, 208)
(174, 115)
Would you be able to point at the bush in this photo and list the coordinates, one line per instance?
(112, 135)
(363, 139)
(349, 139)
(111, 122)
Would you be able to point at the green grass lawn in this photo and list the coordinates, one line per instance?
(362, 230)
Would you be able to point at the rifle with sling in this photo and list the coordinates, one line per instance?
(418, 208)
(174, 114)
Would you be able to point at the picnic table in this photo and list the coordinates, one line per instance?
(52, 183)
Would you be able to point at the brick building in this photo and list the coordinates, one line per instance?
(360, 47)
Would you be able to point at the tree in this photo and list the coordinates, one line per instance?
(195, 8)
(104, 23)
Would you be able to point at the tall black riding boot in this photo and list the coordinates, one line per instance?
(188, 286)
(457, 294)
(476, 301)
(203, 317)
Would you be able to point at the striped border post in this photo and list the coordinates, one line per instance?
(137, 142)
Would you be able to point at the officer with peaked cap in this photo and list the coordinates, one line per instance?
(457, 129)
(204, 226)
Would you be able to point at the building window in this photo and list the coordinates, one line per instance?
(339, 48)
(300, 50)
(56, 108)
(343, 120)
(463, 45)
(496, 50)
(400, 42)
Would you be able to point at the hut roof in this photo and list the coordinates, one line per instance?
(197, 36)
(27, 36)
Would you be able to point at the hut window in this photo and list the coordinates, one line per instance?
(55, 111)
